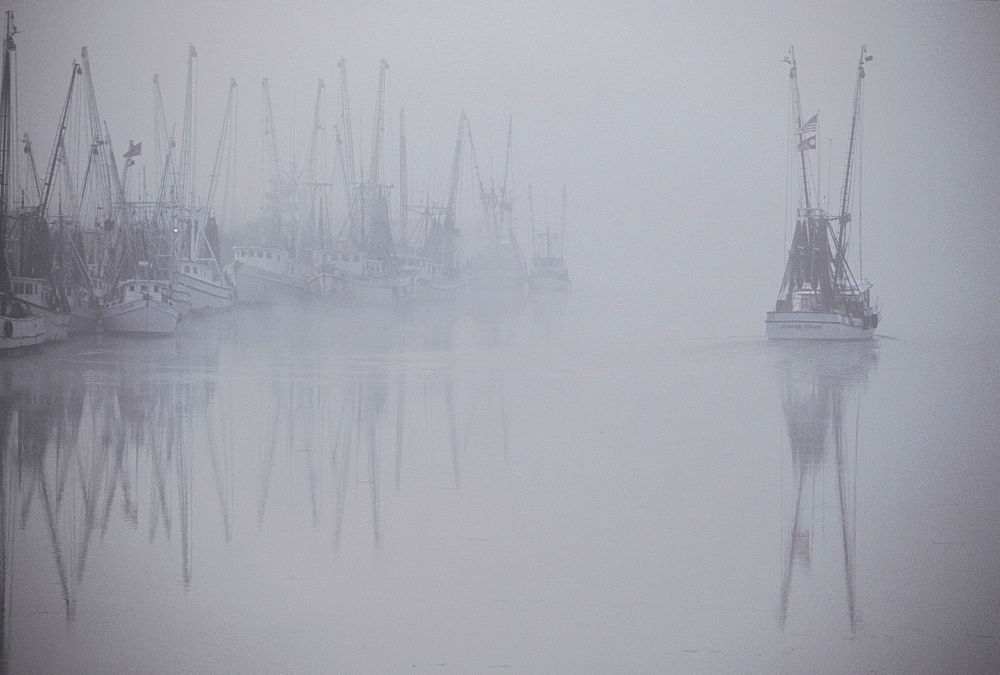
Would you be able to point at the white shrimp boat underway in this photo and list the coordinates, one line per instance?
(820, 298)
(548, 270)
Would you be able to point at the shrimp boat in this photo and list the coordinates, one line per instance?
(498, 263)
(141, 306)
(820, 298)
(432, 253)
(19, 326)
(364, 268)
(548, 271)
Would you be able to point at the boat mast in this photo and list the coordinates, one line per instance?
(186, 172)
(8, 47)
(845, 194)
(350, 173)
(794, 77)
(378, 126)
(403, 187)
(562, 227)
(59, 148)
(224, 138)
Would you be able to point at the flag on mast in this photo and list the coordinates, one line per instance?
(809, 127)
(134, 150)
(807, 144)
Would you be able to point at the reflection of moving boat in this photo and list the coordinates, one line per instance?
(820, 299)
(818, 382)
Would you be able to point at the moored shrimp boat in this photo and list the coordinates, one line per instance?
(140, 306)
(350, 277)
(19, 326)
(44, 302)
(268, 275)
(204, 283)
(820, 298)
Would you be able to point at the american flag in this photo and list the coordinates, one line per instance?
(809, 127)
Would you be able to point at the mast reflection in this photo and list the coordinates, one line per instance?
(116, 447)
(821, 387)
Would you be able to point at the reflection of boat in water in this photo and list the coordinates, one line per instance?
(821, 386)
(820, 298)
(87, 455)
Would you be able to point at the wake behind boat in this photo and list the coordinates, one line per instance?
(820, 298)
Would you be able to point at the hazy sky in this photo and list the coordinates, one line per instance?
(666, 122)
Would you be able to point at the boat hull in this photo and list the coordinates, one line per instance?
(205, 294)
(369, 291)
(816, 326)
(255, 285)
(145, 316)
(548, 283)
(439, 289)
(21, 332)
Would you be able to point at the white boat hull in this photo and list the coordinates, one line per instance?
(255, 285)
(205, 294)
(146, 316)
(439, 289)
(43, 301)
(16, 333)
(816, 326)
(383, 292)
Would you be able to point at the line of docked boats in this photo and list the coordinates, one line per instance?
(104, 261)
(84, 256)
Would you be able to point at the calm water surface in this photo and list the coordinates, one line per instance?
(513, 485)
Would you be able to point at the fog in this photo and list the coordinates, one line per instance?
(666, 122)
(624, 477)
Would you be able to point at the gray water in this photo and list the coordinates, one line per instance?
(514, 485)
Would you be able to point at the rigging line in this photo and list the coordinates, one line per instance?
(788, 171)
(859, 182)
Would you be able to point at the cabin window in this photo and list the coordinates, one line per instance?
(357, 258)
(132, 288)
(144, 289)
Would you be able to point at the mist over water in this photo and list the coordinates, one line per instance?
(628, 477)
(488, 488)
